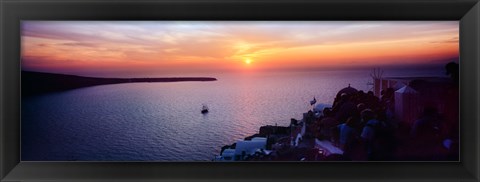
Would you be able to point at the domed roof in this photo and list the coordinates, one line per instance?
(347, 90)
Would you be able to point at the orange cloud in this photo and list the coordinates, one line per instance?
(138, 48)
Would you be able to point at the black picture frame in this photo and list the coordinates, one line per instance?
(13, 11)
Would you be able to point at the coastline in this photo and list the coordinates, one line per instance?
(34, 83)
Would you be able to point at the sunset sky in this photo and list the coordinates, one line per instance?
(149, 48)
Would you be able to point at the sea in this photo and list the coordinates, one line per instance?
(162, 121)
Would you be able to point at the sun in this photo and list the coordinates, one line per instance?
(248, 61)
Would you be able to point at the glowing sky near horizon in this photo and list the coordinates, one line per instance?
(142, 48)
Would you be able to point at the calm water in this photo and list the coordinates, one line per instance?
(162, 121)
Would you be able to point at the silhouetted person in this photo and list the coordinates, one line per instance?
(426, 134)
(368, 132)
(346, 108)
(327, 123)
(347, 137)
(427, 126)
(452, 69)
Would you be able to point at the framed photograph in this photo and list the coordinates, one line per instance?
(203, 90)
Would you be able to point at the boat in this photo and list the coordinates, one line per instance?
(204, 109)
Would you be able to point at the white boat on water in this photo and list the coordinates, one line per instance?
(204, 109)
